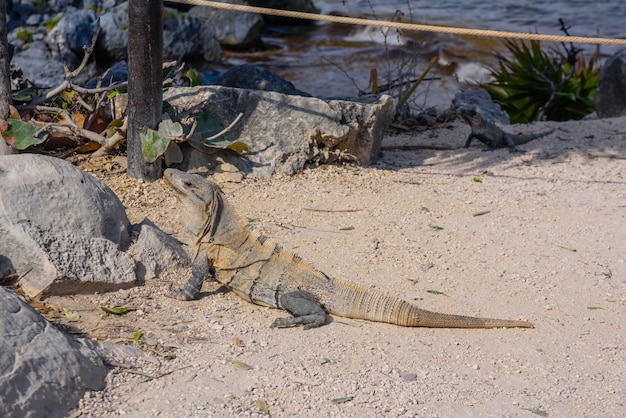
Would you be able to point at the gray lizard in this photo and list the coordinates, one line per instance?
(492, 135)
(261, 272)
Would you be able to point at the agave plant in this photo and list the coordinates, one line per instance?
(536, 85)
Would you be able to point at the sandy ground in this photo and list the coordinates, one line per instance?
(539, 236)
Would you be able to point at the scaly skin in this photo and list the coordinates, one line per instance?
(261, 272)
(491, 135)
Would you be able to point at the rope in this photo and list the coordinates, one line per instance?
(405, 26)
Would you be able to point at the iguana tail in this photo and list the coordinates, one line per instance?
(522, 139)
(372, 305)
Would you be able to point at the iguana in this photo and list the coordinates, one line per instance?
(492, 135)
(261, 272)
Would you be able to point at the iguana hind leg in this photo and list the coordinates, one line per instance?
(304, 308)
(200, 270)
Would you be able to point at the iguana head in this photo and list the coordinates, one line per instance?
(201, 201)
(469, 114)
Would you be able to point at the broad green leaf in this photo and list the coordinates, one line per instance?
(137, 337)
(476, 180)
(239, 147)
(118, 311)
(347, 228)
(24, 95)
(195, 78)
(112, 127)
(436, 227)
(169, 357)
(21, 135)
(436, 292)
(168, 127)
(153, 145)
(173, 154)
(596, 308)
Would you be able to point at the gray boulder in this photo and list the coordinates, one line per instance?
(63, 229)
(112, 44)
(232, 29)
(71, 34)
(286, 132)
(253, 77)
(611, 91)
(39, 66)
(156, 252)
(183, 36)
(43, 372)
(478, 99)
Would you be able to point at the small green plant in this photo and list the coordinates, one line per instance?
(24, 35)
(537, 85)
(50, 24)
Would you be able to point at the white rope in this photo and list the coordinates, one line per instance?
(404, 26)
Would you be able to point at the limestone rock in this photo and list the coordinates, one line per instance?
(43, 372)
(232, 29)
(71, 34)
(157, 252)
(62, 228)
(611, 91)
(285, 132)
(39, 66)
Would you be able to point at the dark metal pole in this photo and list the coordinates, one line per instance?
(145, 81)
(5, 64)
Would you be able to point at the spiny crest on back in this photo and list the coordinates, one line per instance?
(267, 242)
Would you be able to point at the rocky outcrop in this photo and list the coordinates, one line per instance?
(611, 91)
(285, 132)
(232, 29)
(43, 372)
(63, 229)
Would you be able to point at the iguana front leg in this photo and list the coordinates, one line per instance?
(200, 270)
(469, 140)
(304, 308)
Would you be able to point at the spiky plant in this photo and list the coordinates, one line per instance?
(536, 85)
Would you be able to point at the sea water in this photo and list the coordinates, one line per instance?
(330, 60)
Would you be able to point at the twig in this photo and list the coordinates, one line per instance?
(348, 76)
(109, 143)
(226, 129)
(70, 75)
(332, 210)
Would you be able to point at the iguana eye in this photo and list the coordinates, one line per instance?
(188, 184)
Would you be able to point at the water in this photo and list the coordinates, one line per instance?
(330, 60)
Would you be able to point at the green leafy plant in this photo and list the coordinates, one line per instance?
(203, 132)
(50, 24)
(534, 84)
(24, 35)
